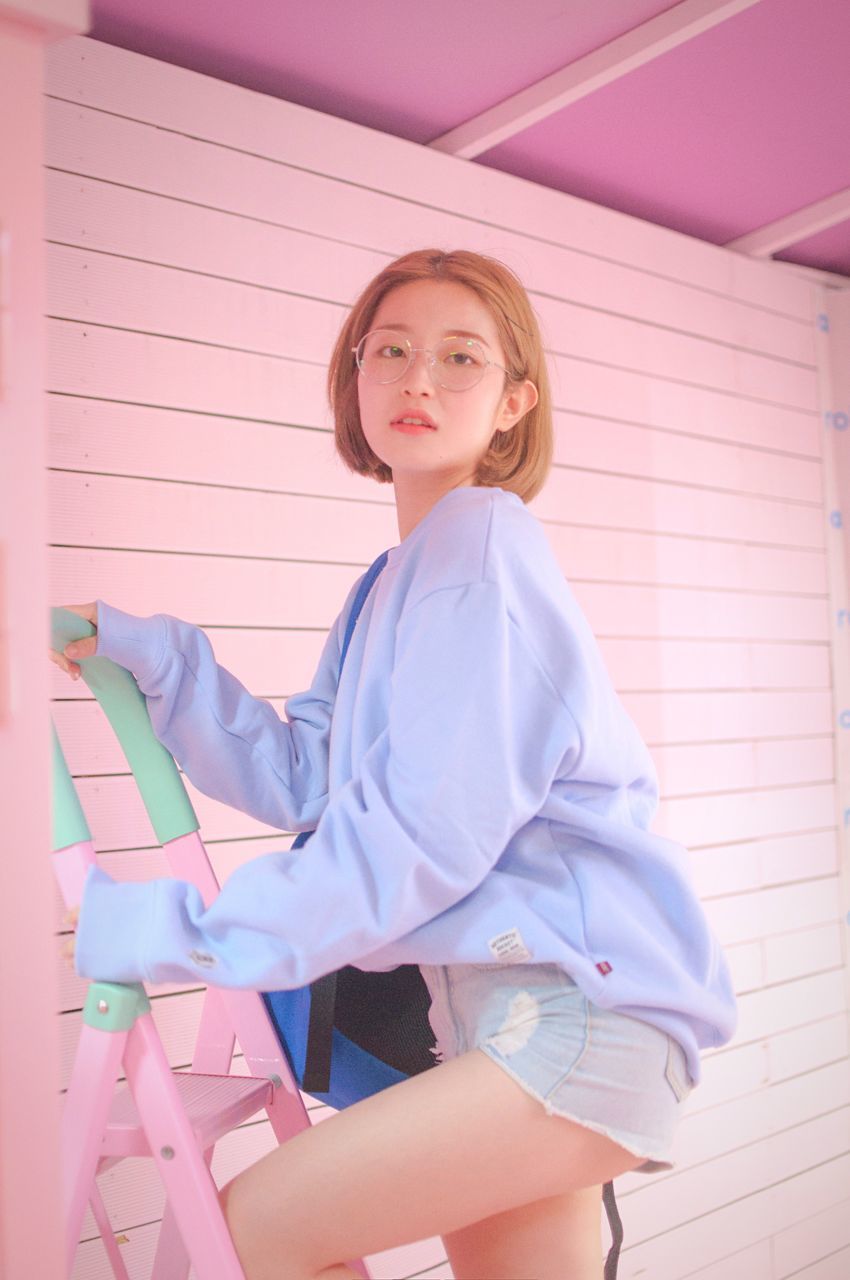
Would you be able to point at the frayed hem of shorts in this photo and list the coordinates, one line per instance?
(651, 1163)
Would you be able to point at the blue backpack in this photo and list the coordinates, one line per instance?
(351, 1034)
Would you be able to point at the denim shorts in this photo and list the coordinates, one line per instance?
(614, 1074)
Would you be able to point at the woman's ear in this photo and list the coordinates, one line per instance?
(519, 400)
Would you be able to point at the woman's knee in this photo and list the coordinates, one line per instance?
(549, 1239)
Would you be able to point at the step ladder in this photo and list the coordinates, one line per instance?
(174, 1117)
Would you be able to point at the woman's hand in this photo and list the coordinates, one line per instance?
(79, 648)
(68, 944)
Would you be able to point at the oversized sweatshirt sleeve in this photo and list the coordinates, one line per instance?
(233, 746)
(476, 734)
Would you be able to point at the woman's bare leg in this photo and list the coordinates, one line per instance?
(430, 1156)
(559, 1235)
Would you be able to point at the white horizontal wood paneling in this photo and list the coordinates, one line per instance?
(825, 1236)
(173, 515)
(834, 1266)
(203, 245)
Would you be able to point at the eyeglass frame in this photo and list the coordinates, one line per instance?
(412, 353)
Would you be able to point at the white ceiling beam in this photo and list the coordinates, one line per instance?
(633, 49)
(795, 227)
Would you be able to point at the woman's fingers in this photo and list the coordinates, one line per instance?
(69, 944)
(87, 611)
(78, 648)
(64, 663)
(81, 648)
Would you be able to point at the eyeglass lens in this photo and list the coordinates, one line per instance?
(456, 363)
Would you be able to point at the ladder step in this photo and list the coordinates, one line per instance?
(213, 1104)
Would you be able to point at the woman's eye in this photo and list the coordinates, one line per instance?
(391, 352)
(458, 357)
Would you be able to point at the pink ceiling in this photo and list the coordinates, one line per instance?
(724, 134)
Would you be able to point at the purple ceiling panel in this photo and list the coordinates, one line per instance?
(412, 70)
(744, 124)
(719, 136)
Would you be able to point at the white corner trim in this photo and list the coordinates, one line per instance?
(794, 227)
(593, 71)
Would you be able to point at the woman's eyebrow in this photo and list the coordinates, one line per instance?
(447, 333)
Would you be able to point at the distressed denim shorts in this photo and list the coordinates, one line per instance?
(614, 1074)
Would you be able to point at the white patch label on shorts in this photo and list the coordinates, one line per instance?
(509, 946)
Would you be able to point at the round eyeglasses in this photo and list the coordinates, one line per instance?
(456, 364)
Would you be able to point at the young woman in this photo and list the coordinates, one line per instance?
(482, 805)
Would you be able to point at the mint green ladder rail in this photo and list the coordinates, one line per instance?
(157, 777)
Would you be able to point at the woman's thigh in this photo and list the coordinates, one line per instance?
(615, 1074)
(427, 1157)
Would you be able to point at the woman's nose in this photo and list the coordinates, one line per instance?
(417, 375)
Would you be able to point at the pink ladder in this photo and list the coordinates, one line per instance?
(174, 1117)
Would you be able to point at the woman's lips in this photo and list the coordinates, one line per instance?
(410, 428)
(418, 416)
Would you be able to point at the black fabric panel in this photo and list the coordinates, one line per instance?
(387, 1015)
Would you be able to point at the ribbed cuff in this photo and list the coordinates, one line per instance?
(135, 643)
(114, 922)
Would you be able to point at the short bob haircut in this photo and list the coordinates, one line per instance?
(518, 459)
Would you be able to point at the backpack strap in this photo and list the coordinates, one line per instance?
(317, 1064)
(615, 1223)
(359, 601)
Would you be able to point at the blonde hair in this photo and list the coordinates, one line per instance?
(518, 459)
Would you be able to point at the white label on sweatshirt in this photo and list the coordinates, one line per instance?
(509, 947)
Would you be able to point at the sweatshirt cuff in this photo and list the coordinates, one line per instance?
(135, 643)
(113, 924)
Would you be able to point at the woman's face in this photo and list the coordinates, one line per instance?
(426, 311)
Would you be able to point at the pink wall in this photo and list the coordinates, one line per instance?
(205, 241)
(30, 1209)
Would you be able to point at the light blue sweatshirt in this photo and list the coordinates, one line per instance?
(479, 794)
